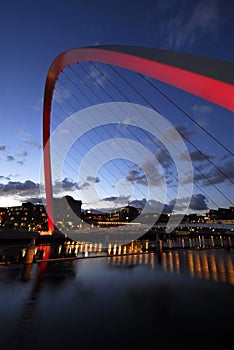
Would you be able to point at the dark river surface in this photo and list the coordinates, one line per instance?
(177, 299)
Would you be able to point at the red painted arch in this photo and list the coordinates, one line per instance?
(207, 78)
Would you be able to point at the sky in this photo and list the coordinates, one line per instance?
(32, 34)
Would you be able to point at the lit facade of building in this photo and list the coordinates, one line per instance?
(28, 217)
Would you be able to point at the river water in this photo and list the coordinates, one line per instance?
(180, 298)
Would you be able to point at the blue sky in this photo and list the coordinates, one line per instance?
(32, 34)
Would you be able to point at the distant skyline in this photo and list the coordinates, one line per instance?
(33, 34)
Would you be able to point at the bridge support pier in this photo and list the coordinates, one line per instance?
(28, 261)
(160, 245)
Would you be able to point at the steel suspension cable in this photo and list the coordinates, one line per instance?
(96, 132)
(74, 159)
(186, 114)
(147, 103)
(89, 139)
(150, 104)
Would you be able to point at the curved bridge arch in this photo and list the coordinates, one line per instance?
(205, 77)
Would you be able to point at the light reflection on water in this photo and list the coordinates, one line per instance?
(121, 301)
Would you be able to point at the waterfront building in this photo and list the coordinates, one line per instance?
(27, 217)
(67, 213)
(69, 216)
(221, 214)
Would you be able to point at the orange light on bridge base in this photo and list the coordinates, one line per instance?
(45, 233)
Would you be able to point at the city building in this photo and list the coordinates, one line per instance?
(69, 216)
(67, 213)
(224, 215)
(27, 217)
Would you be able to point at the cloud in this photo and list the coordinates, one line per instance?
(23, 154)
(150, 176)
(163, 156)
(84, 186)
(34, 144)
(22, 158)
(138, 203)
(38, 106)
(2, 148)
(213, 176)
(184, 131)
(34, 200)
(5, 178)
(61, 94)
(137, 177)
(171, 136)
(96, 77)
(201, 112)
(93, 179)
(165, 5)
(191, 24)
(197, 202)
(198, 156)
(21, 131)
(18, 188)
(117, 200)
(10, 158)
(66, 185)
(150, 206)
(201, 109)
(27, 139)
